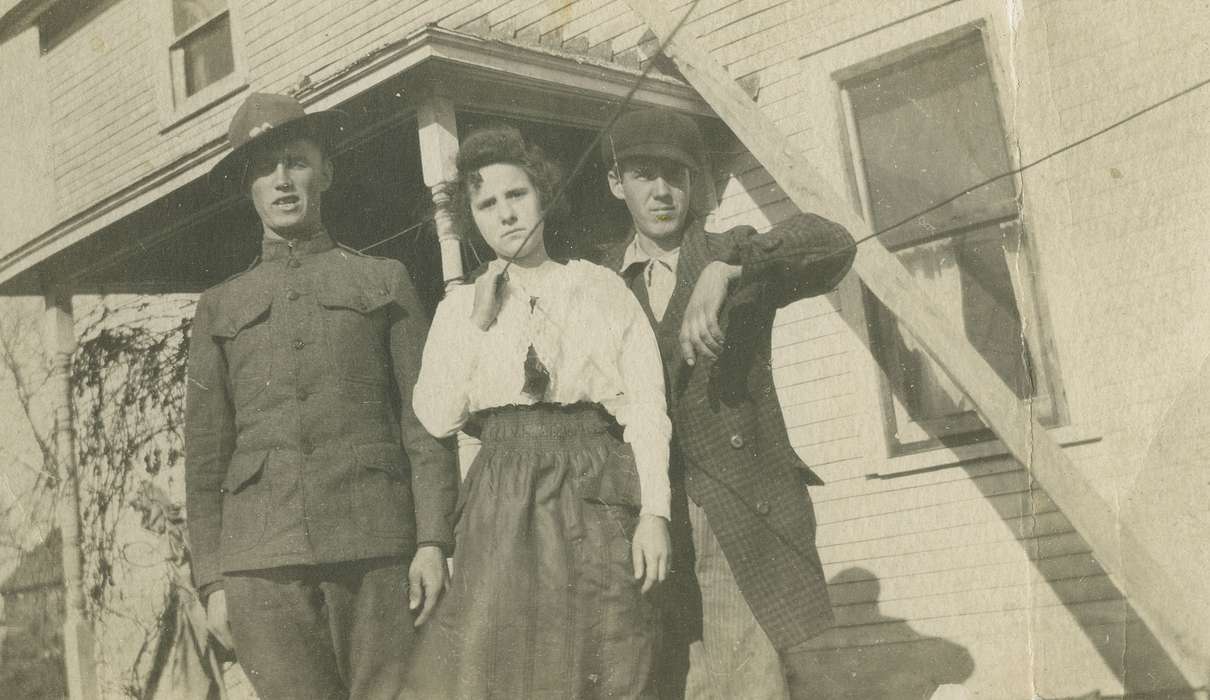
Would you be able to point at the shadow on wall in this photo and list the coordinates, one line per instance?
(1065, 561)
(869, 655)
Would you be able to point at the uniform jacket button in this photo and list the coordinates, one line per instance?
(737, 441)
(306, 446)
(303, 395)
(299, 344)
(292, 295)
(762, 507)
(295, 263)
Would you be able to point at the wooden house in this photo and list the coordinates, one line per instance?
(1037, 167)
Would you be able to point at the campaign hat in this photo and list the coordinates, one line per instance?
(266, 117)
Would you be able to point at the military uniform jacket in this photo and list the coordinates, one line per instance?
(300, 442)
(727, 422)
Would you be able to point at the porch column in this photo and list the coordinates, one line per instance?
(438, 149)
(78, 638)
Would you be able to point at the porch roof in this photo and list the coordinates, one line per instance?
(491, 74)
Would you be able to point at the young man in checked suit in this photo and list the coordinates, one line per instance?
(712, 300)
(318, 506)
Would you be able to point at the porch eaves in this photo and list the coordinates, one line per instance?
(552, 69)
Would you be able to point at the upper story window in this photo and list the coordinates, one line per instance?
(203, 64)
(925, 129)
(202, 49)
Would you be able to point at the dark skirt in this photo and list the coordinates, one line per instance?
(543, 602)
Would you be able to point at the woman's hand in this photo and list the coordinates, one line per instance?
(651, 550)
(488, 288)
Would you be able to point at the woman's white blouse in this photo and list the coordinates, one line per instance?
(589, 332)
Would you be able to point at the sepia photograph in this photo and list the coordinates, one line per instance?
(604, 349)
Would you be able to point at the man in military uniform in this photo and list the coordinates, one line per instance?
(317, 504)
(748, 520)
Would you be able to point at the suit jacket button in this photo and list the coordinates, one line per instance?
(306, 446)
(762, 507)
(292, 295)
(299, 344)
(737, 441)
(294, 263)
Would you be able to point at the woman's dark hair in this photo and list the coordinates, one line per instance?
(504, 144)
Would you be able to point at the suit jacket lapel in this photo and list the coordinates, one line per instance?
(689, 266)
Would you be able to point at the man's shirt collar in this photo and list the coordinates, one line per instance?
(635, 255)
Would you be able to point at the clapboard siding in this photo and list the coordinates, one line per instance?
(974, 553)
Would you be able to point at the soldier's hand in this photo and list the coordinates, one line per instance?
(488, 289)
(651, 550)
(216, 619)
(700, 334)
(427, 579)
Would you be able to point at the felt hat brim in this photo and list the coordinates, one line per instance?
(227, 175)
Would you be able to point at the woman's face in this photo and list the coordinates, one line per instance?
(506, 208)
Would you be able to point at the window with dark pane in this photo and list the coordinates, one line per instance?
(203, 47)
(930, 148)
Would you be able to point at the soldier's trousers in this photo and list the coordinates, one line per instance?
(327, 632)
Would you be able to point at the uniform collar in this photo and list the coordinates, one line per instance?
(276, 249)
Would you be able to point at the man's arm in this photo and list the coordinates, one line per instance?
(209, 443)
(434, 464)
(801, 257)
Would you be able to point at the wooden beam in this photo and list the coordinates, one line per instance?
(1117, 550)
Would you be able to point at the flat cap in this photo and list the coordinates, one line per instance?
(654, 133)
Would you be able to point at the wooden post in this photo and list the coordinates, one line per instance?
(1117, 550)
(78, 639)
(438, 148)
(438, 152)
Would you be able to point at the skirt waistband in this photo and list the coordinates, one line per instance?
(542, 421)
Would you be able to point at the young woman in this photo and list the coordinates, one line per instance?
(562, 526)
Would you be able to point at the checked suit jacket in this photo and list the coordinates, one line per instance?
(727, 422)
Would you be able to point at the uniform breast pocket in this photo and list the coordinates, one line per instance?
(245, 335)
(355, 323)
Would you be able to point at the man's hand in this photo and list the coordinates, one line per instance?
(700, 335)
(216, 619)
(651, 550)
(487, 296)
(427, 579)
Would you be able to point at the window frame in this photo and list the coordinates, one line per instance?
(908, 436)
(175, 106)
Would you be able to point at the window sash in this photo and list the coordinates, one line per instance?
(180, 39)
(904, 432)
(183, 92)
(904, 361)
